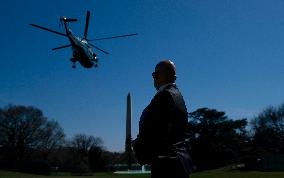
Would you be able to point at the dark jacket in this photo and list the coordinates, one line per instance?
(162, 123)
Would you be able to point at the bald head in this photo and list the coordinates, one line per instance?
(165, 72)
(167, 68)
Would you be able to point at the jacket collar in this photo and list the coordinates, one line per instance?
(165, 86)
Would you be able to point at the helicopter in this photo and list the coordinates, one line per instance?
(81, 47)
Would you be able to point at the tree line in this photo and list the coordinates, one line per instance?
(30, 142)
(216, 140)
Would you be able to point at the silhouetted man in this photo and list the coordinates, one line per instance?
(162, 128)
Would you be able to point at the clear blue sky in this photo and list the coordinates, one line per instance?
(229, 56)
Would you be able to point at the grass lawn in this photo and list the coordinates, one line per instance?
(205, 174)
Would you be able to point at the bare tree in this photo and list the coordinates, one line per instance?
(82, 145)
(24, 130)
(268, 129)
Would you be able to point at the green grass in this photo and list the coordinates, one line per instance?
(205, 174)
(237, 174)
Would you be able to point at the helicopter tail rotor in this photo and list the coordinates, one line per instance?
(65, 19)
(60, 24)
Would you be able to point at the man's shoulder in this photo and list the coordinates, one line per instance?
(171, 91)
(166, 93)
(172, 88)
(162, 98)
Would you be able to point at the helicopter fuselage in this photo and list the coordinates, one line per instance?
(82, 52)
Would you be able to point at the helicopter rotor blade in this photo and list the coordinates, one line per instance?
(87, 24)
(120, 36)
(98, 48)
(43, 28)
(60, 47)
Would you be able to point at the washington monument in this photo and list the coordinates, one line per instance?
(128, 139)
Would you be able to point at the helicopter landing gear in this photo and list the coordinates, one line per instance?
(73, 60)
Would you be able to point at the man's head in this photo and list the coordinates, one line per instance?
(165, 72)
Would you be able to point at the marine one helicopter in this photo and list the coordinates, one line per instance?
(81, 47)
